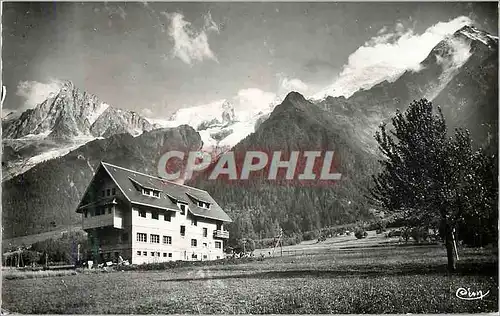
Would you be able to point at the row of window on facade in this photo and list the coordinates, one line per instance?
(167, 240)
(169, 254)
(204, 204)
(183, 231)
(108, 192)
(100, 210)
(156, 215)
(167, 217)
(156, 194)
(151, 192)
(154, 254)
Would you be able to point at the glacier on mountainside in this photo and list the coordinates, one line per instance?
(93, 116)
(234, 119)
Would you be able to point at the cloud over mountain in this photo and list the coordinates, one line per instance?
(293, 84)
(389, 54)
(35, 92)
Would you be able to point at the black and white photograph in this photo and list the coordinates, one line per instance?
(249, 157)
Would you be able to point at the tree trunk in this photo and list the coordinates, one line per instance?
(452, 264)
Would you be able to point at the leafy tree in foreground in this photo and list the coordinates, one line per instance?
(435, 180)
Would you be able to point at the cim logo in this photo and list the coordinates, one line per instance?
(301, 166)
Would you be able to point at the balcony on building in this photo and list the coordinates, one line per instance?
(104, 213)
(223, 234)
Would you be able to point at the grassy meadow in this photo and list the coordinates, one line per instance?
(371, 278)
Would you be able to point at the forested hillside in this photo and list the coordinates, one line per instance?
(45, 197)
(258, 205)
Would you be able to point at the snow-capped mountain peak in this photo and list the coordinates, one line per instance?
(472, 33)
(98, 111)
(71, 113)
(70, 116)
(225, 122)
(67, 85)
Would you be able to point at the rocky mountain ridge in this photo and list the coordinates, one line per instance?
(63, 122)
(73, 113)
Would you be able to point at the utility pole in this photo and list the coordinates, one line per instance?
(455, 243)
(280, 235)
(244, 246)
(281, 241)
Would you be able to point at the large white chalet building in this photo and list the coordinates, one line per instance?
(147, 219)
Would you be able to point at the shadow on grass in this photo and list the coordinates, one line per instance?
(464, 268)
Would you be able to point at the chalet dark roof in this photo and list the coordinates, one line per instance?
(128, 180)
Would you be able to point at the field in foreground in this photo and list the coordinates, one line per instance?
(388, 279)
